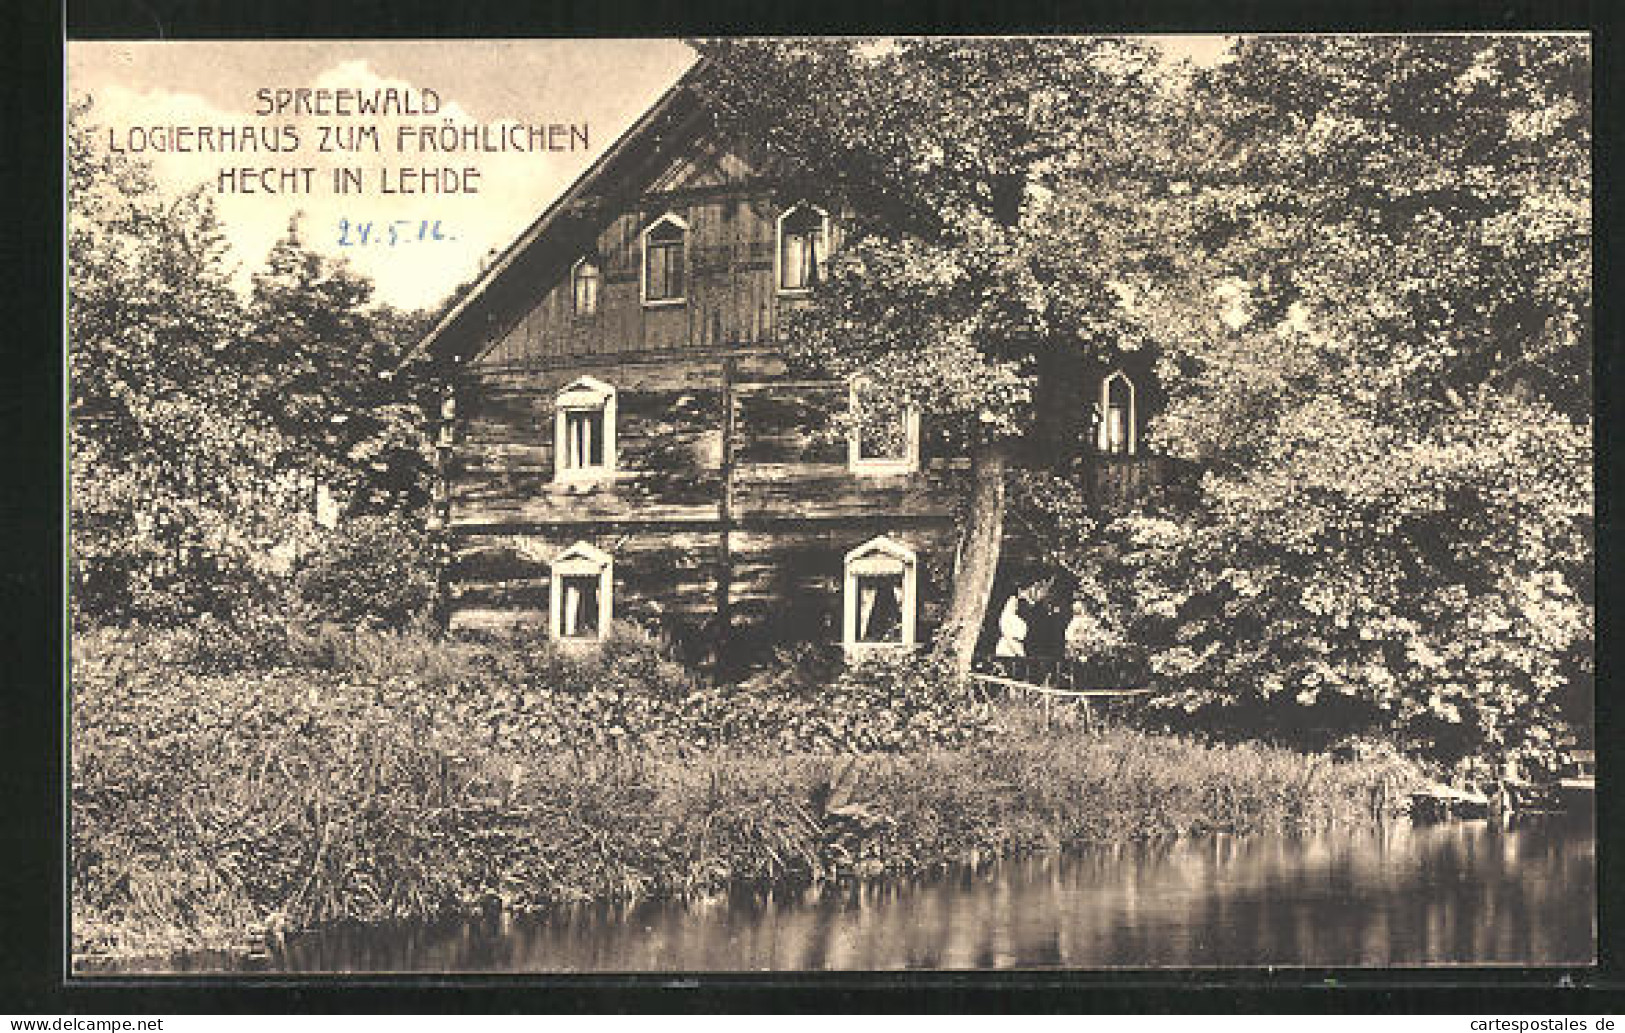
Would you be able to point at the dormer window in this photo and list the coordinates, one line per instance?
(803, 248)
(880, 597)
(664, 246)
(583, 584)
(584, 431)
(1116, 434)
(584, 282)
(884, 437)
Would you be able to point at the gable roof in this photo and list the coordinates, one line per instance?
(458, 330)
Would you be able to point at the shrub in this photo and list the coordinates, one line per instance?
(378, 569)
(887, 702)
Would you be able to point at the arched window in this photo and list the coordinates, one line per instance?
(1117, 432)
(802, 249)
(584, 430)
(664, 244)
(883, 439)
(879, 597)
(584, 280)
(582, 591)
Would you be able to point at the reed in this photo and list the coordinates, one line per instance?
(213, 810)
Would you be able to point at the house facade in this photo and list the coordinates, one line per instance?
(621, 440)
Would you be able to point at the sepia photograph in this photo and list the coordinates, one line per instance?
(810, 504)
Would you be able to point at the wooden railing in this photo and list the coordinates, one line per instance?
(1056, 681)
(1063, 673)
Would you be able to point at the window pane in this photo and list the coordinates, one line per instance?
(801, 239)
(579, 599)
(583, 439)
(674, 270)
(664, 272)
(1116, 430)
(586, 289)
(1117, 422)
(880, 608)
(795, 261)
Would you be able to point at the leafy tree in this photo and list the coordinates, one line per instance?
(325, 366)
(172, 506)
(983, 187)
(201, 422)
(1377, 308)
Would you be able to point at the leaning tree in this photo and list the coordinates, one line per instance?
(988, 191)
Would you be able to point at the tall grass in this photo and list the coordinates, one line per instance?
(391, 777)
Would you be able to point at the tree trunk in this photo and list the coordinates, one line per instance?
(979, 558)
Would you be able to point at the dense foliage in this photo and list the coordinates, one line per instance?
(1364, 264)
(204, 420)
(395, 776)
(982, 186)
(984, 189)
(372, 569)
(1375, 312)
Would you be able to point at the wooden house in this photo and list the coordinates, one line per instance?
(621, 441)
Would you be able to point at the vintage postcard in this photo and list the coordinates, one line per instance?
(647, 505)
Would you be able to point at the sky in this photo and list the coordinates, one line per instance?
(601, 85)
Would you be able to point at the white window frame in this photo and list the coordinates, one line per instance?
(881, 556)
(598, 295)
(584, 394)
(1103, 432)
(778, 246)
(643, 262)
(581, 560)
(908, 462)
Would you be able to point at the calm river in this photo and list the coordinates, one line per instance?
(1457, 893)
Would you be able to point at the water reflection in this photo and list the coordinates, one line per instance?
(1397, 895)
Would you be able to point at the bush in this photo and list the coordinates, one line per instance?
(373, 569)
(888, 702)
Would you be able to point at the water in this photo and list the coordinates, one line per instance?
(1458, 893)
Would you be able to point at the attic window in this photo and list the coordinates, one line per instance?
(584, 431)
(584, 281)
(582, 588)
(803, 248)
(1116, 434)
(880, 597)
(664, 244)
(884, 438)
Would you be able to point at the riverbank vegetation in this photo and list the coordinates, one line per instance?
(384, 776)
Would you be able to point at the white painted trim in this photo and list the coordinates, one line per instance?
(581, 559)
(643, 262)
(778, 247)
(907, 463)
(880, 555)
(584, 394)
(1103, 432)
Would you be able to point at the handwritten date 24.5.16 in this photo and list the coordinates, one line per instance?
(390, 233)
